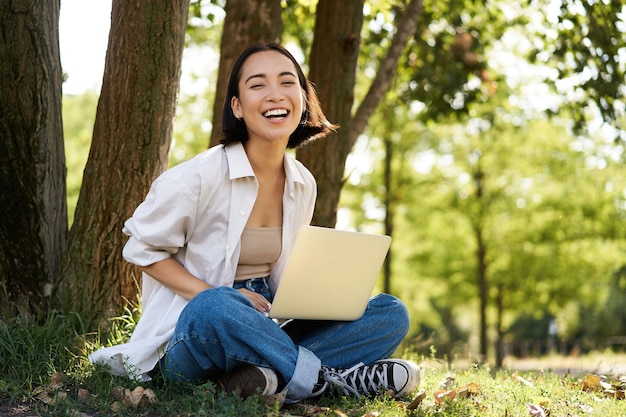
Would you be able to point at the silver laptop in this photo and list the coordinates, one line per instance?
(329, 275)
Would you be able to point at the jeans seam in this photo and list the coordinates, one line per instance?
(327, 334)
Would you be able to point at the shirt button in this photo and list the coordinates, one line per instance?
(242, 212)
(227, 248)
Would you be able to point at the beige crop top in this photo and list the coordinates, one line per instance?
(260, 249)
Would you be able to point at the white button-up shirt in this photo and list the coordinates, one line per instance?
(196, 213)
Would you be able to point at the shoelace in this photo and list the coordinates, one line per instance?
(357, 380)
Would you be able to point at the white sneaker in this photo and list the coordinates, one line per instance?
(396, 375)
(248, 380)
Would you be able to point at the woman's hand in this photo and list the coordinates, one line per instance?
(258, 301)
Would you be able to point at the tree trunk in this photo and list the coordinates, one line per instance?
(333, 61)
(246, 22)
(481, 264)
(483, 292)
(32, 161)
(131, 141)
(499, 304)
(389, 209)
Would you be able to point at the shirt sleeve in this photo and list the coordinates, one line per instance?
(160, 226)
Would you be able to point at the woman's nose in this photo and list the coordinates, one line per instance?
(274, 93)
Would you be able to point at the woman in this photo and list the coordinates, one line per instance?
(212, 239)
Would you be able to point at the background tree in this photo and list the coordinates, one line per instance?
(333, 60)
(447, 76)
(333, 63)
(32, 162)
(549, 224)
(130, 147)
(585, 42)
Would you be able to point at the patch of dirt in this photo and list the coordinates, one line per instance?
(16, 411)
(23, 410)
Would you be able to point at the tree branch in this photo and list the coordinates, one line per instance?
(407, 22)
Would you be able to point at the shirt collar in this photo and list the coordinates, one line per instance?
(239, 165)
(292, 172)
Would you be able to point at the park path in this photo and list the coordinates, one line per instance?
(608, 364)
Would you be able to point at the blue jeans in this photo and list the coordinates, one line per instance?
(219, 330)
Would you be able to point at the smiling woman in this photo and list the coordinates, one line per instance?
(270, 100)
(213, 237)
(312, 123)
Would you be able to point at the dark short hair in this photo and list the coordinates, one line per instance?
(313, 124)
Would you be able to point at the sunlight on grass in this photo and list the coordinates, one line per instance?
(44, 370)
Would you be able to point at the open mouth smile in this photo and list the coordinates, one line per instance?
(276, 113)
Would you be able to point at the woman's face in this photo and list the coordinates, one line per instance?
(271, 100)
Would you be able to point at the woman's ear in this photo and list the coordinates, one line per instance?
(236, 107)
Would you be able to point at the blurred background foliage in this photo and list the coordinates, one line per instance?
(500, 146)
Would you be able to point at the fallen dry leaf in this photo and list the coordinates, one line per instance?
(150, 395)
(596, 383)
(116, 407)
(84, 395)
(470, 390)
(45, 397)
(135, 398)
(616, 394)
(442, 396)
(118, 393)
(51, 397)
(421, 394)
(591, 382)
(535, 410)
(57, 380)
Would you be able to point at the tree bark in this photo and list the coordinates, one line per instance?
(333, 61)
(389, 204)
(483, 294)
(32, 161)
(333, 69)
(131, 141)
(246, 22)
(481, 264)
(499, 304)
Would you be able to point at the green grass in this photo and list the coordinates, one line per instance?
(43, 368)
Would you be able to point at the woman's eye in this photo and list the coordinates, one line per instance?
(255, 86)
